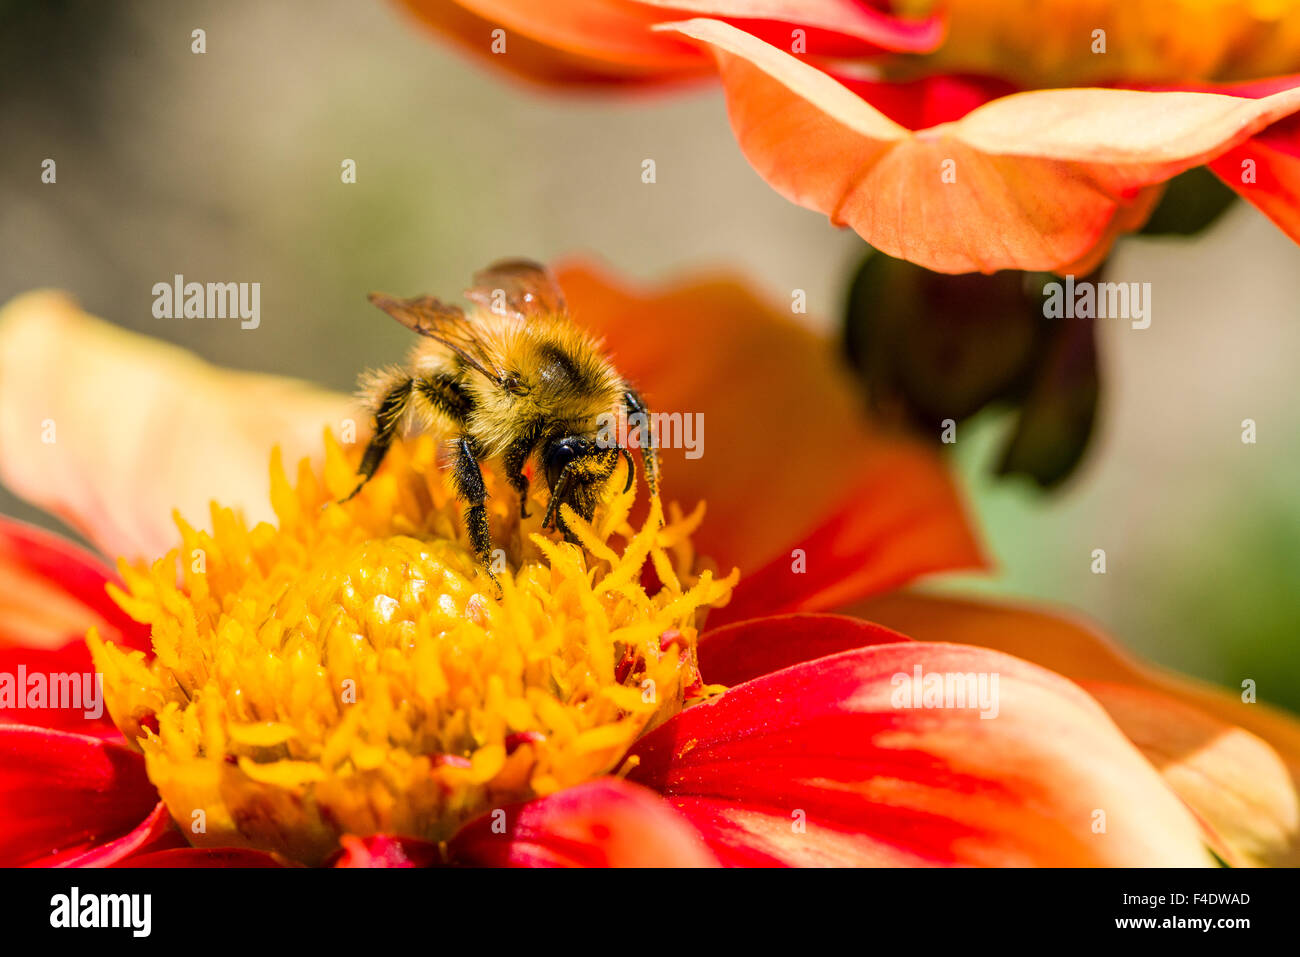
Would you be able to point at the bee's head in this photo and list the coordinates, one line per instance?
(562, 451)
(576, 467)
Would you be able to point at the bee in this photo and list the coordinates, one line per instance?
(511, 379)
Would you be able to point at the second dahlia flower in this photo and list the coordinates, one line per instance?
(963, 135)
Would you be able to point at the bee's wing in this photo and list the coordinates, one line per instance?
(518, 287)
(447, 324)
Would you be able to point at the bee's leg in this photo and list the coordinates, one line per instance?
(469, 486)
(515, 456)
(636, 407)
(585, 500)
(558, 492)
(389, 412)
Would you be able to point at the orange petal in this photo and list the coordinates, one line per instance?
(1236, 765)
(828, 763)
(565, 41)
(1234, 781)
(787, 461)
(111, 430)
(1031, 181)
(610, 42)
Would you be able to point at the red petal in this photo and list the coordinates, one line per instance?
(603, 823)
(758, 646)
(52, 592)
(927, 101)
(1274, 158)
(822, 21)
(383, 850)
(1197, 734)
(156, 833)
(64, 796)
(1271, 157)
(74, 711)
(822, 745)
(202, 857)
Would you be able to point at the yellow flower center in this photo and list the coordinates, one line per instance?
(354, 671)
(1049, 43)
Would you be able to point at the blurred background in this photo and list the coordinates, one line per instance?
(226, 167)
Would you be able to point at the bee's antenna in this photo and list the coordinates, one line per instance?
(631, 468)
(561, 489)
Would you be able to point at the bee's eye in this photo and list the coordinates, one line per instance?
(560, 454)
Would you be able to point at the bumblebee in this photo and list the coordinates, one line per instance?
(511, 379)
